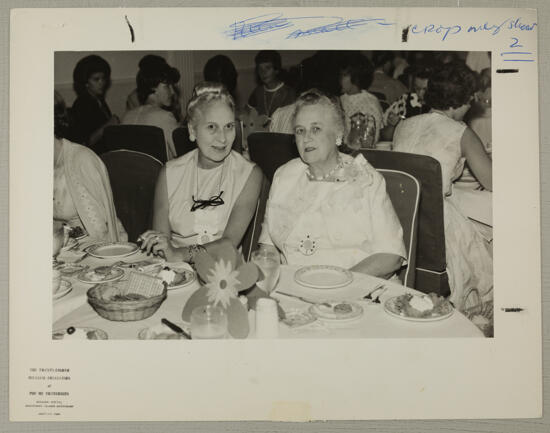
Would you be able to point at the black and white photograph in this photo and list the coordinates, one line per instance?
(272, 194)
(308, 199)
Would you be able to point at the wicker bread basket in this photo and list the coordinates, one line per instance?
(124, 311)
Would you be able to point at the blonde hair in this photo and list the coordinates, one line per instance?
(204, 94)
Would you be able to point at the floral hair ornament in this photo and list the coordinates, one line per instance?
(223, 275)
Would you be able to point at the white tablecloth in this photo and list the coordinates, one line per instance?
(74, 310)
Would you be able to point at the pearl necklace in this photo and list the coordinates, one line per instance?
(329, 176)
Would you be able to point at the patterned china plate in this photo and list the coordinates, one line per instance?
(64, 288)
(89, 276)
(323, 276)
(338, 312)
(183, 277)
(391, 308)
(89, 333)
(112, 250)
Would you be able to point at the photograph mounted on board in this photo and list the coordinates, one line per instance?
(272, 194)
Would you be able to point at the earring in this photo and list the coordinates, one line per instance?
(192, 137)
(338, 141)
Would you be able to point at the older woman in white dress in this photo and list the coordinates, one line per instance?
(326, 207)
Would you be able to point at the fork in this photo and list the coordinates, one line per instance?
(368, 296)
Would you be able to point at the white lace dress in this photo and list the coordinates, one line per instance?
(331, 222)
(469, 255)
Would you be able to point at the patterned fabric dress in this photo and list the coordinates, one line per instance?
(339, 222)
(469, 255)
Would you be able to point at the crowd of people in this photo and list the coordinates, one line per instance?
(435, 104)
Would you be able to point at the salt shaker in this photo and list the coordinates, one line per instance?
(267, 318)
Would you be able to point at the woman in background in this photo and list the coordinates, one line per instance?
(155, 89)
(356, 75)
(90, 114)
(272, 92)
(82, 194)
(208, 196)
(443, 135)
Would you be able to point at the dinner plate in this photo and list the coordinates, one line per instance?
(392, 310)
(89, 276)
(184, 275)
(112, 250)
(162, 332)
(69, 269)
(323, 276)
(64, 288)
(338, 312)
(98, 334)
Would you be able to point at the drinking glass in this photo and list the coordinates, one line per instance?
(268, 260)
(208, 322)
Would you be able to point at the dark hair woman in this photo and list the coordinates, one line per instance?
(220, 69)
(271, 92)
(90, 114)
(443, 135)
(155, 92)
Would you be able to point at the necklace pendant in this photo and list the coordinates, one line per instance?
(308, 246)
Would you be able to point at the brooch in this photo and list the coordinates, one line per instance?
(308, 246)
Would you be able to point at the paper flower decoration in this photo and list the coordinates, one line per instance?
(224, 275)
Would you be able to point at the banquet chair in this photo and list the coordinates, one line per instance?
(140, 138)
(270, 150)
(133, 176)
(183, 144)
(404, 192)
(252, 234)
(431, 263)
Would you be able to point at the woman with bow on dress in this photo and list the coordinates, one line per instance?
(207, 196)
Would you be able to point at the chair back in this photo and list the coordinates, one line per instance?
(431, 263)
(404, 192)
(270, 150)
(140, 138)
(133, 176)
(252, 234)
(183, 144)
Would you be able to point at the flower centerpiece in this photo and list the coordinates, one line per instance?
(223, 274)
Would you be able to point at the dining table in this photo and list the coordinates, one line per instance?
(74, 310)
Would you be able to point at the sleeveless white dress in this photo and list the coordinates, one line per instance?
(185, 179)
(469, 255)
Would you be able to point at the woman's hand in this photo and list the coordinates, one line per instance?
(158, 243)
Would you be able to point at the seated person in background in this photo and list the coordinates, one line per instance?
(155, 92)
(90, 114)
(208, 196)
(382, 81)
(271, 92)
(82, 194)
(408, 105)
(220, 69)
(281, 120)
(356, 74)
(443, 135)
(152, 61)
(326, 207)
(480, 122)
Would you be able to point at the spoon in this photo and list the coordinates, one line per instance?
(175, 328)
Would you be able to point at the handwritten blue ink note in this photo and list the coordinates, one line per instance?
(308, 26)
(492, 29)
